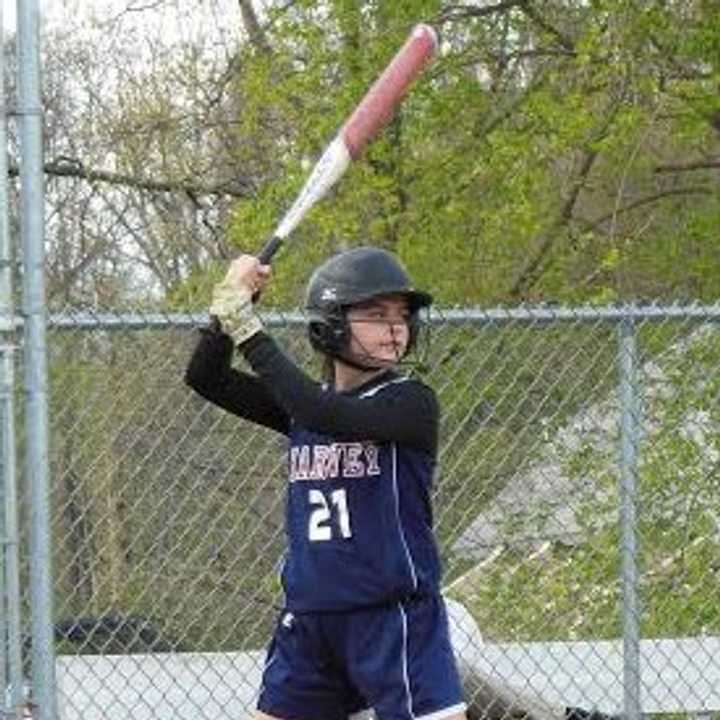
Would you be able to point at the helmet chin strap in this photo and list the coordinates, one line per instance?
(357, 361)
(366, 362)
(357, 364)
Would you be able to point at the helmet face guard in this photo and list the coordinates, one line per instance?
(349, 278)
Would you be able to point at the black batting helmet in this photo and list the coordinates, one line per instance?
(351, 277)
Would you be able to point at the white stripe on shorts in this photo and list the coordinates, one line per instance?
(445, 712)
(406, 677)
(369, 713)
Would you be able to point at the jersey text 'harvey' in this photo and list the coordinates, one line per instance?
(337, 460)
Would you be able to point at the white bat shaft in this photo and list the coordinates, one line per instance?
(327, 171)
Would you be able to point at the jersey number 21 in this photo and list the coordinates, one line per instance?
(329, 515)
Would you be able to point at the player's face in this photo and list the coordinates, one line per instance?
(380, 329)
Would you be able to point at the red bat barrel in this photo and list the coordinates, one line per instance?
(380, 101)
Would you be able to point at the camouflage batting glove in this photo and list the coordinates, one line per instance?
(233, 306)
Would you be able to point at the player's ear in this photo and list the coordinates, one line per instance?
(329, 335)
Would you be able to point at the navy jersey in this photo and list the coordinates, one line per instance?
(359, 522)
(361, 466)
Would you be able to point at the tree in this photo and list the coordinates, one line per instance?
(555, 151)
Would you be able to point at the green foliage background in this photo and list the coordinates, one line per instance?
(556, 151)
(575, 591)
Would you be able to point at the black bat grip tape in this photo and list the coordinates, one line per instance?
(269, 249)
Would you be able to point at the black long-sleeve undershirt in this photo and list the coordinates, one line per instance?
(405, 411)
(210, 374)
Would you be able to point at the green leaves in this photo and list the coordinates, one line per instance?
(522, 166)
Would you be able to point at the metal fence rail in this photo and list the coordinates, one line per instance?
(577, 498)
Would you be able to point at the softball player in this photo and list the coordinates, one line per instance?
(364, 623)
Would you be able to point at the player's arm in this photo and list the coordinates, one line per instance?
(405, 412)
(210, 373)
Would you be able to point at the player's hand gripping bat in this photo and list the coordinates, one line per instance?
(374, 110)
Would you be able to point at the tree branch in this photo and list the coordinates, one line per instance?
(69, 167)
(647, 200)
(686, 167)
(527, 8)
(532, 269)
(255, 32)
(458, 12)
(487, 125)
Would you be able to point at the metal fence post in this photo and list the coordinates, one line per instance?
(629, 420)
(12, 673)
(35, 355)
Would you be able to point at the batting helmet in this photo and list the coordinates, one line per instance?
(351, 277)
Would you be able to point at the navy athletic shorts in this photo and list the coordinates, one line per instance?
(395, 658)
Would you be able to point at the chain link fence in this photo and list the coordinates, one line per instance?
(578, 501)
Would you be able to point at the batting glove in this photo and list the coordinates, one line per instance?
(233, 307)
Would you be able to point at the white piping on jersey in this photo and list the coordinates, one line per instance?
(406, 677)
(268, 662)
(396, 495)
(445, 712)
(381, 386)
